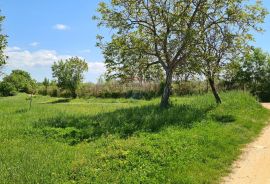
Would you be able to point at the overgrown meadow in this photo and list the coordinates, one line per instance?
(123, 140)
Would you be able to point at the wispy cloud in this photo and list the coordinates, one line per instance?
(12, 49)
(34, 44)
(97, 67)
(61, 27)
(19, 58)
(24, 59)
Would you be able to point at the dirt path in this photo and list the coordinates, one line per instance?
(254, 165)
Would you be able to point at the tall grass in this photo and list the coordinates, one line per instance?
(124, 140)
(115, 89)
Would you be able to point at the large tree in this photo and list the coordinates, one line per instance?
(69, 73)
(3, 44)
(220, 43)
(169, 30)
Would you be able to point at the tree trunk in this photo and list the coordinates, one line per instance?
(214, 90)
(167, 90)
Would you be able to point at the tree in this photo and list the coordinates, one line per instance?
(21, 80)
(221, 42)
(254, 73)
(168, 31)
(46, 83)
(69, 73)
(230, 75)
(3, 44)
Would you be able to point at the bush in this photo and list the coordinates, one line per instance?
(189, 88)
(52, 91)
(108, 90)
(7, 89)
(145, 91)
(115, 89)
(18, 81)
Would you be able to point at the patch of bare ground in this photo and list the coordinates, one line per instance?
(253, 167)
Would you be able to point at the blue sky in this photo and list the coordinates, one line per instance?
(41, 32)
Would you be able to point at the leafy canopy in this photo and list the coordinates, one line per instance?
(19, 81)
(253, 71)
(69, 73)
(169, 32)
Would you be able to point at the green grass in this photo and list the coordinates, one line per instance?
(123, 140)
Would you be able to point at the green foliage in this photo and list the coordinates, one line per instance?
(111, 89)
(116, 89)
(129, 66)
(123, 140)
(191, 87)
(252, 72)
(7, 89)
(69, 73)
(18, 81)
(170, 33)
(46, 82)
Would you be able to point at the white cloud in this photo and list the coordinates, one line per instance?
(96, 67)
(34, 44)
(61, 27)
(12, 49)
(19, 58)
(41, 60)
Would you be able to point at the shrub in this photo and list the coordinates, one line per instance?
(189, 88)
(7, 89)
(21, 81)
(118, 90)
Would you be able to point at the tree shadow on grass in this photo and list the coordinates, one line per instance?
(21, 111)
(224, 118)
(65, 100)
(123, 122)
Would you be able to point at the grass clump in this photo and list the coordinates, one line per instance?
(123, 141)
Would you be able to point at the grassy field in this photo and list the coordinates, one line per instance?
(124, 141)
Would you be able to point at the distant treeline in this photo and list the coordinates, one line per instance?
(146, 91)
(115, 89)
(250, 73)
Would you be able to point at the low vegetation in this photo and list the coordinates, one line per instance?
(17, 81)
(57, 131)
(125, 140)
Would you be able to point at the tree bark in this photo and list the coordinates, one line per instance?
(214, 90)
(167, 90)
